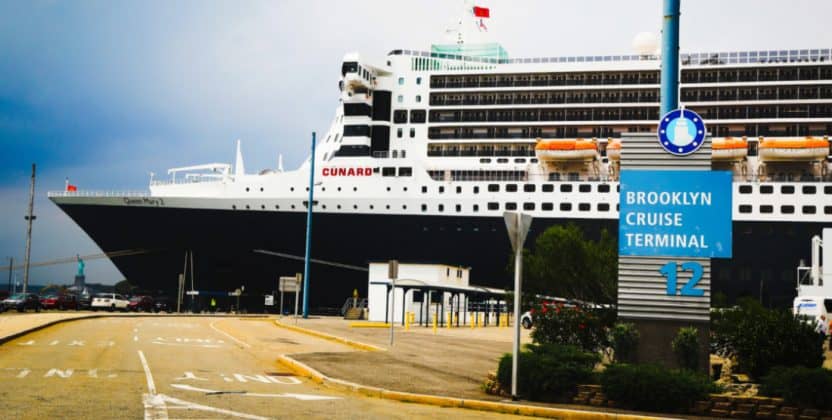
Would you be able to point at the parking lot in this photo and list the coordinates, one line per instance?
(175, 367)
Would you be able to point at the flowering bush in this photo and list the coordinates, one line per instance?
(575, 325)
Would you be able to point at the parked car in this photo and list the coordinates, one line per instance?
(22, 302)
(109, 301)
(62, 301)
(162, 303)
(140, 303)
(84, 301)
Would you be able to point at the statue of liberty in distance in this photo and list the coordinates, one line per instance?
(80, 265)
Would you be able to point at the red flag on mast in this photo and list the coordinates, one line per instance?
(482, 12)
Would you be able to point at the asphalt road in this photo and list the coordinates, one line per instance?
(174, 367)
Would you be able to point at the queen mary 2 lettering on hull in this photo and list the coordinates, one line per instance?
(427, 149)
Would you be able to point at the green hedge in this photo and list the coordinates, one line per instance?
(760, 338)
(654, 388)
(799, 385)
(548, 372)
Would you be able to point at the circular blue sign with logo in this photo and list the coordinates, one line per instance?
(681, 132)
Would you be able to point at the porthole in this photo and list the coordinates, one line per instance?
(424, 207)
(323, 206)
(276, 207)
(338, 207)
(355, 188)
(293, 206)
(292, 189)
(476, 207)
(404, 206)
(233, 207)
(458, 208)
(307, 189)
(355, 206)
(441, 207)
(248, 207)
(261, 189)
(404, 188)
(388, 188)
(371, 206)
(262, 207)
(388, 207)
(246, 189)
(339, 188)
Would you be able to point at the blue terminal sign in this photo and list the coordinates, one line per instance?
(675, 214)
(681, 132)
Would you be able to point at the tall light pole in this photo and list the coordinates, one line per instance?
(670, 58)
(309, 230)
(518, 225)
(29, 219)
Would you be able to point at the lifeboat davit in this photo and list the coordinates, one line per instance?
(729, 148)
(805, 149)
(614, 149)
(566, 149)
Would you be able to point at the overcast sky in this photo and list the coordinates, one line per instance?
(105, 92)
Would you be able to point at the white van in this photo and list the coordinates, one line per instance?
(109, 301)
(812, 308)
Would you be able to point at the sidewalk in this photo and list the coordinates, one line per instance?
(453, 362)
(13, 324)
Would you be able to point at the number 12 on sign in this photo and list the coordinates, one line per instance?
(670, 271)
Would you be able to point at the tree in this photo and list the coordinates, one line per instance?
(124, 287)
(565, 264)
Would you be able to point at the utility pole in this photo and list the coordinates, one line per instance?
(11, 268)
(309, 230)
(29, 219)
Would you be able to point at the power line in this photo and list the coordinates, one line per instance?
(68, 260)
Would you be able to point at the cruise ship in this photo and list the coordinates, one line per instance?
(427, 149)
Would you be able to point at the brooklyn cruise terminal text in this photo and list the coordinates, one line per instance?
(668, 219)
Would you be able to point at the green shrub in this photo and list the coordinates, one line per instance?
(759, 338)
(799, 385)
(548, 372)
(686, 347)
(623, 339)
(576, 325)
(654, 388)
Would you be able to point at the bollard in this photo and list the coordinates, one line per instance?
(407, 321)
(450, 320)
(434, 325)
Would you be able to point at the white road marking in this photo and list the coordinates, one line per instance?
(76, 343)
(154, 405)
(151, 387)
(185, 405)
(135, 338)
(190, 375)
(54, 342)
(243, 343)
(302, 397)
(23, 373)
(208, 346)
(93, 373)
(28, 343)
(62, 373)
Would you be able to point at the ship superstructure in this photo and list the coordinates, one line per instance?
(427, 149)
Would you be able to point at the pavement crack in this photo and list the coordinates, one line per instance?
(225, 392)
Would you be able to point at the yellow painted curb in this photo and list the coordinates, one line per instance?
(369, 325)
(335, 338)
(304, 370)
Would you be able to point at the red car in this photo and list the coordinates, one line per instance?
(140, 303)
(61, 302)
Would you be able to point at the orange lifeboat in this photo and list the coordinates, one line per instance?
(614, 149)
(729, 148)
(805, 149)
(566, 150)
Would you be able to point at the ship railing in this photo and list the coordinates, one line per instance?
(93, 193)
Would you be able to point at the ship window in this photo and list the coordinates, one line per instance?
(388, 171)
(246, 189)
(787, 209)
(405, 171)
(404, 206)
(827, 189)
(476, 207)
(566, 188)
(400, 98)
(809, 210)
(418, 98)
(511, 187)
(459, 190)
(565, 206)
(604, 188)
(745, 189)
(493, 187)
(441, 190)
(520, 160)
(263, 207)
(548, 187)
(399, 132)
(766, 209)
(417, 116)
(745, 208)
(357, 130)
(293, 206)
(511, 206)
(528, 206)
(412, 132)
(424, 189)
(787, 189)
(248, 207)
(603, 206)
(277, 207)
(424, 207)
(827, 210)
(441, 207)
(546, 206)
(476, 190)
(502, 160)
(418, 80)
(355, 206)
(234, 207)
(371, 207)
(584, 207)
(528, 188)
(585, 188)
(493, 206)
(401, 80)
(766, 189)
(809, 189)
(485, 160)
(458, 208)
(400, 116)
(338, 207)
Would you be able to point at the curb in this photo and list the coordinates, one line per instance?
(23, 332)
(330, 337)
(304, 370)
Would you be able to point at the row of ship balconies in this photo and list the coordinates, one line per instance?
(629, 113)
(781, 93)
(730, 75)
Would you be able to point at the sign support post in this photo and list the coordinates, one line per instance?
(518, 225)
(393, 274)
